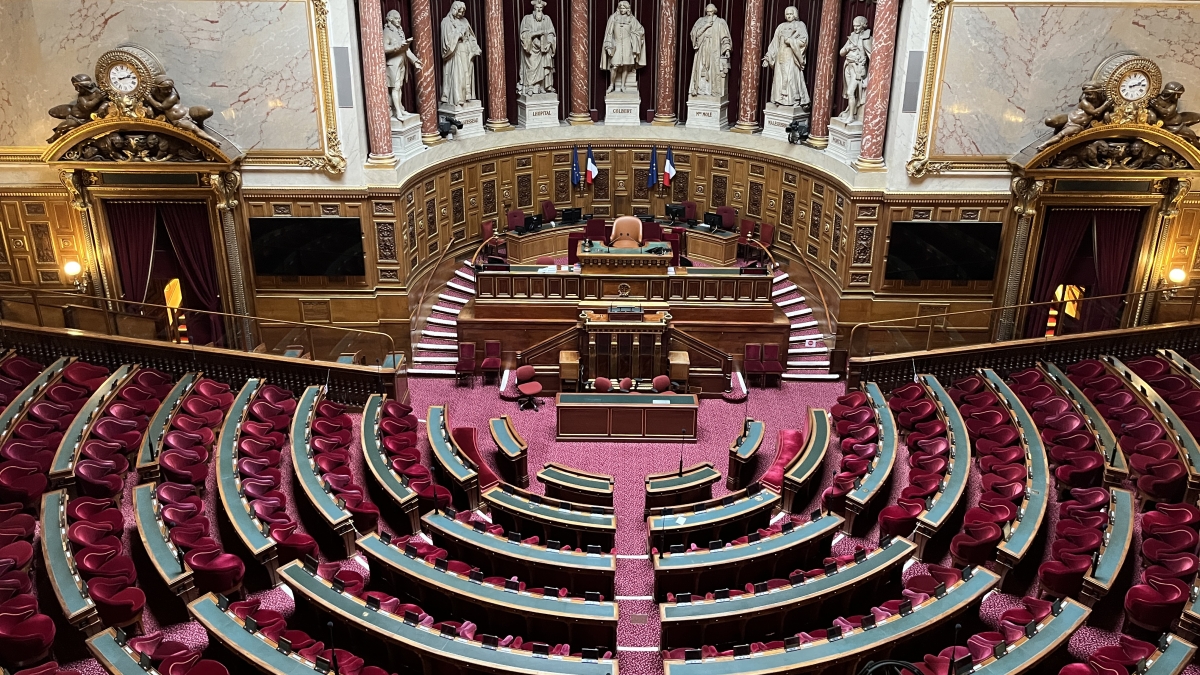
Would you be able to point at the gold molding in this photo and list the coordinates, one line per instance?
(329, 157)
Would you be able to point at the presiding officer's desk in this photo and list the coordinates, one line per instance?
(653, 257)
(625, 417)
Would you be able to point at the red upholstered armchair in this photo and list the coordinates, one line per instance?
(464, 370)
(689, 210)
(491, 359)
(744, 233)
(752, 361)
(772, 366)
(549, 213)
(573, 240)
(728, 217)
(766, 237)
(515, 219)
(651, 231)
(594, 230)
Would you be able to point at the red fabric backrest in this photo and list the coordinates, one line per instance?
(789, 444)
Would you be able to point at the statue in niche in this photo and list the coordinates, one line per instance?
(89, 100)
(857, 51)
(1165, 108)
(624, 49)
(1093, 103)
(539, 43)
(786, 55)
(713, 42)
(398, 50)
(459, 49)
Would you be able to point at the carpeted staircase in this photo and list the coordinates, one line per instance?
(807, 354)
(437, 351)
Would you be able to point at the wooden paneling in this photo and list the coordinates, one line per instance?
(41, 234)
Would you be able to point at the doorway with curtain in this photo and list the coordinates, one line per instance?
(164, 255)
(1085, 253)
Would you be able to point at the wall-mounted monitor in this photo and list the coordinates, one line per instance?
(315, 247)
(943, 251)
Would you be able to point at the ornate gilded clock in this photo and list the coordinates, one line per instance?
(128, 71)
(1129, 79)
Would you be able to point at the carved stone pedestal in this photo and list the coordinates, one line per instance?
(406, 137)
(471, 116)
(537, 110)
(845, 139)
(777, 118)
(622, 109)
(708, 112)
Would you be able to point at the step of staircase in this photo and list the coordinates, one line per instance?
(789, 302)
(800, 325)
(453, 298)
(435, 347)
(435, 359)
(446, 309)
(426, 332)
(783, 290)
(461, 273)
(808, 364)
(802, 338)
(461, 288)
(437, 371)
(804, 376)
(780, 277)
(798, 312)
(807, 350)
(442, 322)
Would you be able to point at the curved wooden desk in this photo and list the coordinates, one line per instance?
(569, 523)
(954, 484)
(151, 446)
(743, 452)
(163, 555)
(859, 500)
(399, 496)
(574, 485)
(726, 518)
(671, 488)
(514, 452)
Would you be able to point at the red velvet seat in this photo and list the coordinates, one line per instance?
(115, 430)
(21, 369)
(194, 425)
(264, 411)
(218, 391)
(119, 605)
(215, 571)
(986, 419)
(155, 646)
(921, 486)
(1083, 470)
(202, 408)
(917, 411)
(899, 519)
(25, 639)
(999, 512)
(278, 397)
(263, 431)
(1164, 482)
(292, 544)
(177, 466)
(1169, 516)
(976, 543)
(1173, 565)
(97, 478)
(136, 397)
(103, 562)
(932, 429)
(35, 431)
(28, 453)
(528, 387)
(1155, 604)
(85, 375)
(395, 409)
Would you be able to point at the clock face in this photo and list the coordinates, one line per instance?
(1134, 86)
(123, 78)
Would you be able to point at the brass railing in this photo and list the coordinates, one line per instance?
(925, 332)
(150, 321)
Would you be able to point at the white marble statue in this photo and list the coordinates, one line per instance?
(857, 51)
(459, 49)
(399, 53)
(786, 55)
(624, 49)
(710, 66)
(539, 43)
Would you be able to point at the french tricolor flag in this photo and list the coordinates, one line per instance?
(669, 169)
(592, 171)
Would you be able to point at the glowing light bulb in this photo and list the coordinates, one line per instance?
(1177, 276)
(72, 268)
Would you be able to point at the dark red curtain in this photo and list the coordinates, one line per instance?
(131, 228)
(1061, 236)
(187, 225)
(1116, 234)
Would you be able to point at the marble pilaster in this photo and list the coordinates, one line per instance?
(427, 97)
(879, 86)
(751, 68)
(668, 37)
(580, 108)
(375, 91)
(827, 53)
(497, 87)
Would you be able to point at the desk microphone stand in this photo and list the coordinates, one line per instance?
(682, 432)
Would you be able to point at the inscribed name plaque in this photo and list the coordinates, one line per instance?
(621, 109)
(406, 137)
(777, 118)
(708, 112)
(535, 111)
(845, 139)
(470, 113)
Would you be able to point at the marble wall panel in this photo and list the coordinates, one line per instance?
(1008, 66)
(251, 61)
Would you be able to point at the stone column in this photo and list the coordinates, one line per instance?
(668, 35)
(751, 68)
(580, 106)
(497, 88)
(424, 40)
(379, 112)
(827, 59)
(879, 86)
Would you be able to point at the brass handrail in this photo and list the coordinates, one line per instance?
(992, 311)
(102, 303)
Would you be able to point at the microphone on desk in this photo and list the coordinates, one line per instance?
(682, 433)
(332, 649)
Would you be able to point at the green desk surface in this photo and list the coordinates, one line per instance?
(698, 476)
(304, 465)
(878, 475)
(818, 442)
(1120, 539)
(641, 250)
(469, 655)
(376, 460)
(504, 440)
(114, 658)
(1183, 435)
(486, 595)
(1104, 435)
(235, 505)
(811, 590)
(752, 439)
(17, 406)
(1037, 489)
(154, 536)
(1174, 659)
(960, 447)
(814, 654)
(63, 579)
(555, 474)
(148, 451)
(811, 531)
(68, 449)
(443, 449)
(252, 647)
(1055, 632)
(522, 507)
(569, 398)
(442, 524)
(764, 500)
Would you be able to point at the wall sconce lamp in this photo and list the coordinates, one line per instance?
(80, 278)
(1176, 277)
